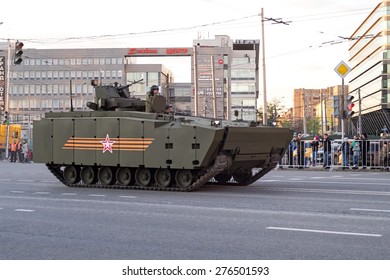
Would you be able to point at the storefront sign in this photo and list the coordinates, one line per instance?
(142, 51)
(176, 51)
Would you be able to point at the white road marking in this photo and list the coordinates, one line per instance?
(325, 231)
(127, 196)
(25, 180)
(24, 210)
(42, 192)
(327, 191)
(48, 181)
(370, 210)
(17, 191)
(69, 193)
(97, 195)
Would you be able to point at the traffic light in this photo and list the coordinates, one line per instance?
(18, 52)
(6, 118)
(349, 112)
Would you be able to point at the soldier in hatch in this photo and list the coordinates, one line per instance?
(149, 98)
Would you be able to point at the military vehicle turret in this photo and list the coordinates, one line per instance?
(118, 145)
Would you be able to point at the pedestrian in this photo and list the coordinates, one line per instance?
(365, 149)
(300, 143)
(327, 146)
(384, 151)
(356, 154)
(345, 147)
(13, 148)
(314, 149)
(290, 153)
(19, 151)
(25, 151)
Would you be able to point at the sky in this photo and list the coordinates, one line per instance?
(300, 54)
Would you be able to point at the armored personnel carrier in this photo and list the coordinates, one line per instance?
(118, 145)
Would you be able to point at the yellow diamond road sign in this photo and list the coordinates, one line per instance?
(342, 69)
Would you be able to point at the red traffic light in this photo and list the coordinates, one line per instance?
(350, 106)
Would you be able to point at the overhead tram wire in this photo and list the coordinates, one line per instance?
(152, 32)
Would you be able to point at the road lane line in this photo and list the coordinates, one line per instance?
(381, 193)
(17, 191)
(47, 181)
(127, 196)
(69, 193)
(97, 195)
(42, 193)
(325, 231)
(21, 180)
(24, 210)
(370, 210)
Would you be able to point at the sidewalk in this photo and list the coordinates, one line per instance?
(333, 168)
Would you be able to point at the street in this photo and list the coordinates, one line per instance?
(288, 214)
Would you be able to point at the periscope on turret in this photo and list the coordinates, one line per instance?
(120, 144)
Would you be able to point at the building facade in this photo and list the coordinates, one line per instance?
(369, 79)
(316, 111)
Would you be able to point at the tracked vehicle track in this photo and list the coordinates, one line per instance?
(221, 163)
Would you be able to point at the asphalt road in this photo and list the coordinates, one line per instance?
(285, 215)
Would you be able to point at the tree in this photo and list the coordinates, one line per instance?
(313, 126)
(274, 110)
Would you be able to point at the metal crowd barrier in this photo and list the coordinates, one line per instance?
(371, 154)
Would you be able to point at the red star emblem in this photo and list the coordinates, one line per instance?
(107, 144)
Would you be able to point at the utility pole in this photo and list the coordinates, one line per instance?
(195, 56)
(360, 114)
(213, 87)
(304, 113)
(265, 117)
(342, 109)
(6, 101)
(322, 113)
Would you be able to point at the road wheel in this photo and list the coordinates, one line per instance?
(183, 178)
(143, 177)
(71, 174)
(223, 177)
(163, 177)
(88, 175)
(106, 175)
(124, 176)
(242, 175)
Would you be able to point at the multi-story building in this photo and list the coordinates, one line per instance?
(318, 108)
(232, 69)
(369, 78)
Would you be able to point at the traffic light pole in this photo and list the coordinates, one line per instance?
(6, 101)
(342, 109)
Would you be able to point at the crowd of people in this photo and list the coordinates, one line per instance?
(19, 151)
(353, 153)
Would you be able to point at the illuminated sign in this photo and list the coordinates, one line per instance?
(142, 51)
